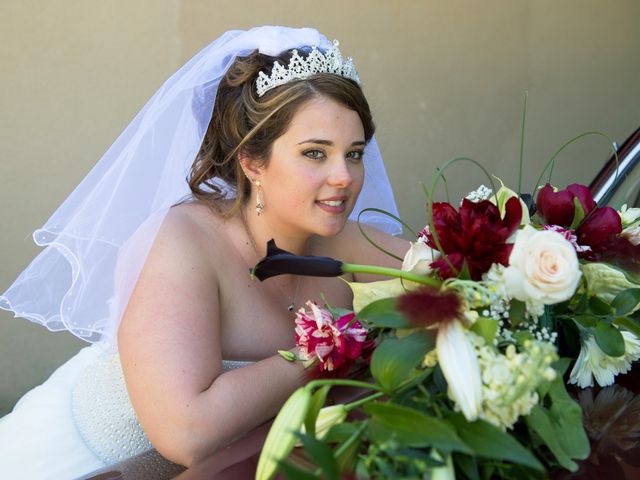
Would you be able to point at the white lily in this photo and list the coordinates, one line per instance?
(593, 362)
(459, 363)
(418, 258)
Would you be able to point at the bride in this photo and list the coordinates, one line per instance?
(275, 138)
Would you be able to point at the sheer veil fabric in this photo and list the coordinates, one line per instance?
(97, 241)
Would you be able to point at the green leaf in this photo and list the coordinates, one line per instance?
(586, 320)
(578, 215)
(347, 452)
(467, 465)
(412, 428)
(599, 307)
(517, 310)
(340, 433)
(488, 441)
(539, 420)
(383, 313)
(322, 455)
(294, 473)
(631, 324)
(583, 303)
(486, 328)
(562, 365)
(411, 453)
(394, 360)
(609, 339)
(560, 426)
(464, 274)
(282, 435)
(317, 402)
(626, 301)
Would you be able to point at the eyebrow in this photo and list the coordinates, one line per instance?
(329, 142)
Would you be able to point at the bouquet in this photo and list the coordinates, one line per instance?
(501, 302)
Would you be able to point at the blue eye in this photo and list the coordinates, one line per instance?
(356, 155)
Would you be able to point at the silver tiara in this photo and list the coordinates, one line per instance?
(315, 62)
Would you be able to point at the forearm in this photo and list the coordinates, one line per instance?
(236, 402)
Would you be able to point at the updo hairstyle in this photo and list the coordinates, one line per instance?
(243, 123)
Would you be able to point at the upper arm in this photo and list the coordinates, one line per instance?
(169, 338)
(361, 251)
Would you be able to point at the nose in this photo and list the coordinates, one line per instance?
(340, 175)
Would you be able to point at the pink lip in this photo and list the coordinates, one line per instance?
(334, 210)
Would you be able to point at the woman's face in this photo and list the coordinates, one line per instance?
(315, 171)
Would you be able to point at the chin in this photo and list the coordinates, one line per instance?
(331, 230)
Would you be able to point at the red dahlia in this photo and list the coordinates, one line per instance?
(475, 235)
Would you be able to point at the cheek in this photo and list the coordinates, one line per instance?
(295, 191)
(358, 179)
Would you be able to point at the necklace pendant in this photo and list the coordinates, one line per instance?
(291, 307)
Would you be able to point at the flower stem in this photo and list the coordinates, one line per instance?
(390, 272)
(342, 382)
(362, 401)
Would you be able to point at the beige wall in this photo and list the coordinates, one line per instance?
(445, 78)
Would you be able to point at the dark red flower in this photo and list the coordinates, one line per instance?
(475, 235)
(429, 306)
(599, 227)
(619, 252)
(558, 208)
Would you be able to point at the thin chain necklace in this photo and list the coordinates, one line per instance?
(292, 305)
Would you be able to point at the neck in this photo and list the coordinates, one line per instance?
(260, 231)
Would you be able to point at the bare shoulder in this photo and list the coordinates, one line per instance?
(192, 223)
(351, 245)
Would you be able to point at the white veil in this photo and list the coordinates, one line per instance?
(82, 280)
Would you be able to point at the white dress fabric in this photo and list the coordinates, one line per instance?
(94, 425)
(36, 444)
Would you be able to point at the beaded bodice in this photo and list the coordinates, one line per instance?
(103, 412)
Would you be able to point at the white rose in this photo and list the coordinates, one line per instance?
(418, 258)
(543, 267)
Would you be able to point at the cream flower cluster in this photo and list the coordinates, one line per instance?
(509, 381)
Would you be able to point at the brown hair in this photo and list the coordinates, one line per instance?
(244, 123)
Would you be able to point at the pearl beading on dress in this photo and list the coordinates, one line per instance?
(104, 415)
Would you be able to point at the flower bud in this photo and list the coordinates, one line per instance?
(327, 418)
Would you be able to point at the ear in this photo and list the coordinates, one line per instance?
(250, 166)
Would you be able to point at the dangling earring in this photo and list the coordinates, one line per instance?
(259, 204)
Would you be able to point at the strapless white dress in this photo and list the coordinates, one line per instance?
(78, 421)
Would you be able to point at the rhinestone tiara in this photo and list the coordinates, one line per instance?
(315, 62)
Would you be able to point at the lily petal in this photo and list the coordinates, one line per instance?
(459, 363)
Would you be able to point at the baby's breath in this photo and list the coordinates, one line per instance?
(481, 193)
